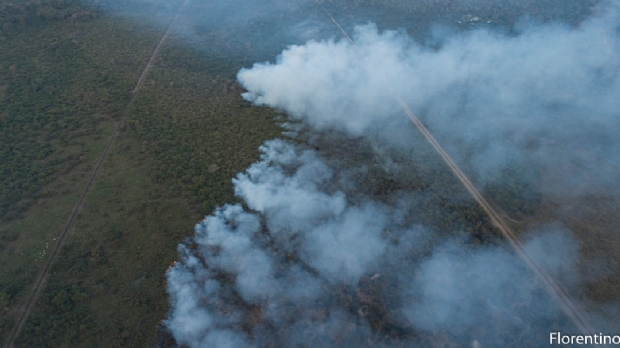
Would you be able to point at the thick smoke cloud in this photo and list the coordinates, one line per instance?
(303, 266)
(302, 263)
(296, 207)
(547, 95)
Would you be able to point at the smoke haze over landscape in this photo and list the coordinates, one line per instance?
(311, 268)
(547, 95)
(302, 262)
(308, 173)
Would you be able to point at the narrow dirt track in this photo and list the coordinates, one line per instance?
(554, 289)
(41, 279)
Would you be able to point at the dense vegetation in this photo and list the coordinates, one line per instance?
(66, 74)
(199, 129)
(39, 111)
(106, 287)
(64, 85)
(180, 146)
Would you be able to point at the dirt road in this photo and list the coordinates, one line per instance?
(41, 279)
(553, 288)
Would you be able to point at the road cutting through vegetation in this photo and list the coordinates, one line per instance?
(40, 281)
(555, 290)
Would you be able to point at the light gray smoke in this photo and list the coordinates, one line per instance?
(547, 96)
(303, 264)
(304, 267)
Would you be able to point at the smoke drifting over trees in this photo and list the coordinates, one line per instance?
(304, 266)
(547, 95)
(304, 263)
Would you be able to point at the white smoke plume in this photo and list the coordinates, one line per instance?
(301, 266)
(547, 95)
